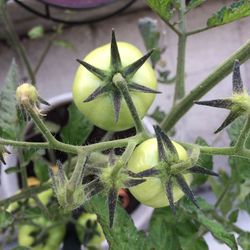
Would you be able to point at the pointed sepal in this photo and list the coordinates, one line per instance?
(101, 74)
(145, 173)
(230, 118)
(218, 103)
(131, 69)
(165, 146)
(201, 170)
(112, 201)
(169, 194)
(133, 182)
(186, 189)
(237, 82)
(161, 153)
(97, 92)
(141, 88)
(41, 100)
(115, 59)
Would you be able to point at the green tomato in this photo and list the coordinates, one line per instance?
(152, 192)
(82, 228)
(100, 111)
(26, 235)
(44, 197)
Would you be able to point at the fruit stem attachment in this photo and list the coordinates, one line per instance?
(121, 83)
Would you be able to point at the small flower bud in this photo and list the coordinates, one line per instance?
(26, 94)
(69, 195)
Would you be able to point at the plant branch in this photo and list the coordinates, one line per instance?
(180, 71)
(199, 30)
(172, 27)
(25, 194)
(242, 54)
(14, 39)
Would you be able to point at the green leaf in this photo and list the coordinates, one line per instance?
(235, 128)
(151, 36)
(233, 216)
(244, 241)
(158, 114)
(231, 13)
(205, 161)
(167, 231)
(11, 170)
(9, 122)
(78, 127)
(6, 219)
(239, 166)
(31, 153)
(162, 231)
(216, 228)
(36, 32)
(194, 4)
(164, 8)
(246, 203)
(123, 235)
(63, 43)
(41, 170)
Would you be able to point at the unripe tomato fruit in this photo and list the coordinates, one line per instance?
(152, 192)
(100, 111)
(81, 229)
(52, 242)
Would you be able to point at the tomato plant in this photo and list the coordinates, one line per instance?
(114, 88)
(96, 86)
(152, 192)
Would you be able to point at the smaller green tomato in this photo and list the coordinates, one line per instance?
(152, 192)
(44, 197)
(54, 239)
(81, 229)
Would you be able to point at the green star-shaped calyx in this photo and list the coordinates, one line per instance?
(238, 103)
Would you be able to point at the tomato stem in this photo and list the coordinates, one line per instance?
(121, 84)
(182, 40)
(177, 112)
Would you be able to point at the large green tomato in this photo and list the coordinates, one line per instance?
(151, 192)
(100, 111)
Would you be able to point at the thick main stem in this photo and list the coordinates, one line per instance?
(242, 54)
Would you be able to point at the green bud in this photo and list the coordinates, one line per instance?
(70, 195)
(26, 94)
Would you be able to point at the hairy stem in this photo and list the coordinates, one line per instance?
(177, 112)
(180, 71)
(14, 39)
(121, 84)
(25, 193)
